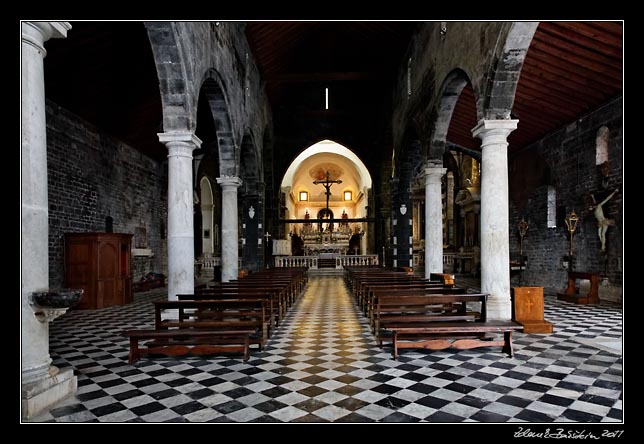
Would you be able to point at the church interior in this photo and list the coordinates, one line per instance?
(346, 222)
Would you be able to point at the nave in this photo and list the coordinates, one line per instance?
(323, 365)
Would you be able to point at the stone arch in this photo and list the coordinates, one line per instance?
(212, 88)
(174, 77)
(449, 93)
(505, 70)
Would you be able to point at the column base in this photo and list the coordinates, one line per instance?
(499, 310)
(40, 395)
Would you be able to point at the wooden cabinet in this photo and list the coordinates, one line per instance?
(100, 264)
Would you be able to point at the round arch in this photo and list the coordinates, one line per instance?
(450, 91)
(327, 146)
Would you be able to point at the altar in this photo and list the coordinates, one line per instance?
(334, 243)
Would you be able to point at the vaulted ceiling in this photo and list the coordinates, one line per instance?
(105, 73)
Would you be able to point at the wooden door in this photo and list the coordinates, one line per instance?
(108, 275)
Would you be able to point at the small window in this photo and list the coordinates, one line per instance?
(601, 145)
(552, 207)
(304, 196)
(348, 195)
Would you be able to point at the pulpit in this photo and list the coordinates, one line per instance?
(527, 309)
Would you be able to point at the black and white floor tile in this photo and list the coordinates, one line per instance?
(322, 365)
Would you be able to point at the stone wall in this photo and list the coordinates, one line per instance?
(92, 175)
(565, 160)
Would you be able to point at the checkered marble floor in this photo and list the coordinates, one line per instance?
(322, 365)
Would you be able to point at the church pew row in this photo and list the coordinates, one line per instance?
(222, 319)
(416, 313)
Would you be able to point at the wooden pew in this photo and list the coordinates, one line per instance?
(202, 327)
(270, 322)
(423, 322)
(435, 336)
(412, 292)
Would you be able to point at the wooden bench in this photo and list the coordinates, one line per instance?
(184, 341)
(465, 334)
(419, 308)
(202, 327)
(217, 293)
(428, 321)
(571, 294)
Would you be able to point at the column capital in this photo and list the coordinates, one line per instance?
(434, 173)
(178, 137)
(500, 128)
(37, 33)
(229, 181)
(180, 144)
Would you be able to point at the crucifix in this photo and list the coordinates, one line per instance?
(267, 236)
(327, 184)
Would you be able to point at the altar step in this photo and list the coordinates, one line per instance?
(325, 272)
(326, 263)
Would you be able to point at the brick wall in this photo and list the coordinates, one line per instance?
(91, 175)
(569, 156)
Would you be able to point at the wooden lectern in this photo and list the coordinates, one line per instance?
(527, 309)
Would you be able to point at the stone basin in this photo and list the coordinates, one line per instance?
(58, 298)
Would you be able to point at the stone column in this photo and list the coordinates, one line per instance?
(181, 247)
(229, 235)
(433, 220)
(495, 238)
(41, 385)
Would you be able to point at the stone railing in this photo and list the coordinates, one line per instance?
(210, 261)
(296, 261)
(448, 259)
(356, 261)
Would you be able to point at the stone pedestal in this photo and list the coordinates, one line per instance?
(40, 395)
(229, 234)
(181, 247)
(527, 309)
(495, 233)
(433, 221)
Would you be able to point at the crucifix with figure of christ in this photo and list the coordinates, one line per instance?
(327, 184)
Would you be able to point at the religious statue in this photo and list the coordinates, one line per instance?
(602, 221)
(345, 216)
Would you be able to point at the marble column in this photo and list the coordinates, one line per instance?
(495, 240)
(433, 220)
(229, 235)
(42, 385)
(181, 247)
